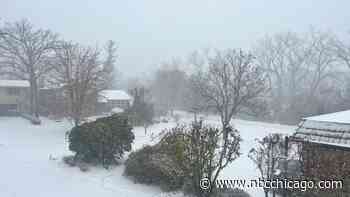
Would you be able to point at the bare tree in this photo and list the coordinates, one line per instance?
(109, 63)
(231, 84)
(297, 66)
(25, 53)
(169, 86)
(342, 50)
(79, 71)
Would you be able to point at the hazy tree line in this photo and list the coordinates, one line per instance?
(299, 74)
(44, 59)
(304, 74)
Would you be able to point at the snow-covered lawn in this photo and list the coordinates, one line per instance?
(31, 163)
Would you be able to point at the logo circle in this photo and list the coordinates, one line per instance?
(204, 184)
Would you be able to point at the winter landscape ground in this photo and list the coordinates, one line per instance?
(31, 160)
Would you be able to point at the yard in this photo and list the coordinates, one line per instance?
(31, 162)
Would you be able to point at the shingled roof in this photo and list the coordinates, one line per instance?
(330, 129)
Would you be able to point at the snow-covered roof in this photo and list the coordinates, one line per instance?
(330, 129)
(117, 110)
(52, 86)
(14, 83)
(106, 95)
(338, 117)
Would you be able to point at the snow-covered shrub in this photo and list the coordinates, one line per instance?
(73, 162)
(102, 141)
(152, 166)
(69, 160)
(183, 156)
(198, 150)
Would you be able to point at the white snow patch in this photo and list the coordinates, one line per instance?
(14, 83)
(117, 110)
(106, 95)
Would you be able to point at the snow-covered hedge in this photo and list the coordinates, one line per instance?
(151, 166)
(102, 141)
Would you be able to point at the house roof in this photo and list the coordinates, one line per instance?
(338, 117)
(14, 83)
(330, 129)
(117, 110)
(52, 86)
(106, 95)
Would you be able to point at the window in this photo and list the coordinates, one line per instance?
(13, 91)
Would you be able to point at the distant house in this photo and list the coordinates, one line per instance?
(14, 96)
(113, 101)
(325, 145)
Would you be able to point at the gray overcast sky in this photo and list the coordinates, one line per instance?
(152, 31)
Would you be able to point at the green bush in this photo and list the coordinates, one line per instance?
(102, 141)
(183, 156)
(154, 165)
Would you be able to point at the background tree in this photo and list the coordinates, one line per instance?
(194, 102)
(341, 49)
(168, 87)
(299, 66)
(231, 83)
(141, 111)
(109, 64)
(79, 70)
(26, 53)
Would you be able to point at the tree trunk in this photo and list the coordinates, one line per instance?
(31, 107)
(266, 193)
(35, 97)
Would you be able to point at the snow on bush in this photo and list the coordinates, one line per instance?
(151, 166)
(102, 141)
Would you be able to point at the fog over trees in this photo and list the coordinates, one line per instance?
(306, 73)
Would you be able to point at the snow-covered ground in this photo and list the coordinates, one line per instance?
(31, 163)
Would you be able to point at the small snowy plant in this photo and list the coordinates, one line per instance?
(267, 156)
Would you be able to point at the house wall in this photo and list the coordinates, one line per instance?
(124, 104)
(107, 107)
(326, 162)
(14, 99)
(7, 99)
